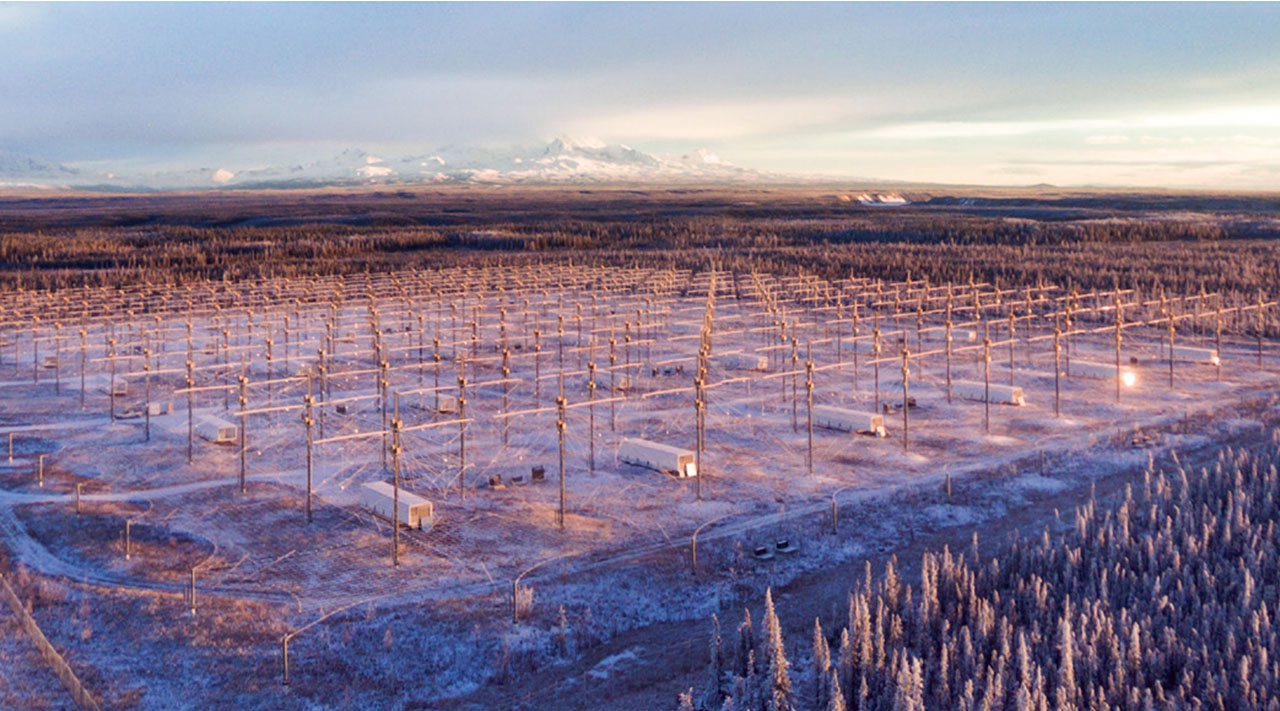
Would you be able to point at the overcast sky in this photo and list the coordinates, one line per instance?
(1165, 94)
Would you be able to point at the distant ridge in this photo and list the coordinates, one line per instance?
(561, 161)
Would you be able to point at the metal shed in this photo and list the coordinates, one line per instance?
(415, 511)
(995, 393)
(661, 457)
(838, 418)
(217, 430)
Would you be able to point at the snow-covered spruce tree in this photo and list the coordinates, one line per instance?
(746, 645)
(777, 668)
(715, 667)
(835, 698)
(821, 667)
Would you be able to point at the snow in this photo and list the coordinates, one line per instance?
(883, 199)
(562, 160)
(605, 667)
(623, 558)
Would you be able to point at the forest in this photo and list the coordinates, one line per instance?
(1155, 243)
(1166, 600)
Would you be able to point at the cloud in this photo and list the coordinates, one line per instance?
(1107, 140)
(18, 17)
(721, 120)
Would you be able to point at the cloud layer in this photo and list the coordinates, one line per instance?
(979, 93)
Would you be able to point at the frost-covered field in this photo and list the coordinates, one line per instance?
(375, 360)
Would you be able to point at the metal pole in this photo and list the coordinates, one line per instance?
(591, 407)
(875, 353)
(395, 487)
(111, 342)
(808, 387)
(244, 437)
(146, 367)
(462, 428)
(948, 346)
(795, 360)
(1057, 372)
(698, 404)
(1012, 319)
(1217, 336)
(560, 426)
(1118, 338)
(83, 358)
(284, 646)
(308, 420)
(190, 409)
(906, 399)
(986, 376)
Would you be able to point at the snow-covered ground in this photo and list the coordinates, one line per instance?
(623, 557)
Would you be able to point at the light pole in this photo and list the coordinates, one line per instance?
(693, 543)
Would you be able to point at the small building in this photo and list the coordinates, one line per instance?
(217, 430)
(996, 393)
(415, 512)
(842, 420)
(448, 405)
(1204, 356)
(119, 388)
(50, 362)
(1103, 371)
(743, 361)
(660, 457)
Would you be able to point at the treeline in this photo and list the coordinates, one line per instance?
(1167, 600)
(1164, 254)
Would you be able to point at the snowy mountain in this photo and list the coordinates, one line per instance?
(562, 161)
(17, 170)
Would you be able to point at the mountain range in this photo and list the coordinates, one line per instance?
(562, 161)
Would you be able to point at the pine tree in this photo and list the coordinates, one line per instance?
(715, 666)
(778, 689)
(835, 699)
(746, 645)
(821, 666)
(845, 667)
(1066, 661)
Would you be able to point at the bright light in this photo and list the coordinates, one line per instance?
(1214, 359)
(1129, 378)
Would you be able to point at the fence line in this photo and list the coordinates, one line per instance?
(60, 667)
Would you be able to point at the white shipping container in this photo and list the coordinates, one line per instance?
(415, 511)
(838, 418)
(662, 457)
(958, 335)
(744, 361)
(1207, 356)
(1000, 394)
(1103, 371)
(217, 430)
